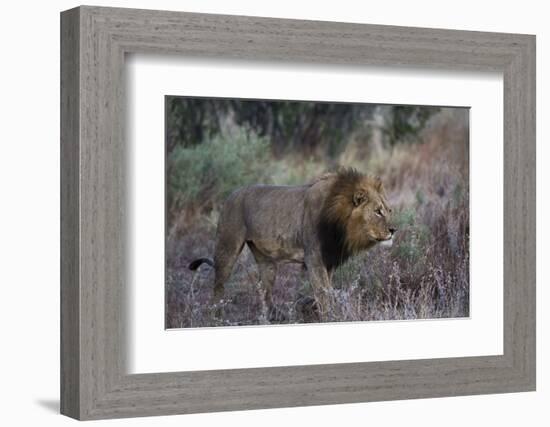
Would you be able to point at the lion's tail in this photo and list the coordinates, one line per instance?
(197, 263)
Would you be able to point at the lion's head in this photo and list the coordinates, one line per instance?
(355, 216)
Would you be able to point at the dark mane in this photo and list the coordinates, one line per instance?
(333, 244)
(334, 216)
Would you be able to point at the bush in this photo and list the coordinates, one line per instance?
(204, 175)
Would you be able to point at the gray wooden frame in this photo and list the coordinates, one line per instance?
(94, 41)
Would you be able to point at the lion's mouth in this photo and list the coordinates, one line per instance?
(386, 241)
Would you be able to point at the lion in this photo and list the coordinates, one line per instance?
(318, 225)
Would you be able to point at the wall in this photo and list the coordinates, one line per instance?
(29, 226)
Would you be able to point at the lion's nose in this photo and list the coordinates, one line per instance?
(392, 230)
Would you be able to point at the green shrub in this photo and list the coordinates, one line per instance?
(207, 173)
(404, 218)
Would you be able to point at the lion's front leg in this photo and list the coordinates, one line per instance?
(319, 278)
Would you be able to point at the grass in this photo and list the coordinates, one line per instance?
(425, 274)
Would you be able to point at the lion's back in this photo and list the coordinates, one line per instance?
(273, 210)
(280, 221)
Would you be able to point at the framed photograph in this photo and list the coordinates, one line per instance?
(261, 213)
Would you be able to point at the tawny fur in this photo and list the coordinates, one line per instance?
(319, 225)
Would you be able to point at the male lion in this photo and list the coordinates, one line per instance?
(319, 225)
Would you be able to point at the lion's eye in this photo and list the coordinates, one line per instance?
(378, 212)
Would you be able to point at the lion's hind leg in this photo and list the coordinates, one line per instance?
(268, 272)
(226, 253)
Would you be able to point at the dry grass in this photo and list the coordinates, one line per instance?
(424, 275)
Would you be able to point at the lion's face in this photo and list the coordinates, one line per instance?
(370, 219)
(357, 208)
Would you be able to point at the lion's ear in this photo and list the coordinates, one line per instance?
(359, 197)
(378, 183)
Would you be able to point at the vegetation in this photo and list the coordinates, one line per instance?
(420, 153)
